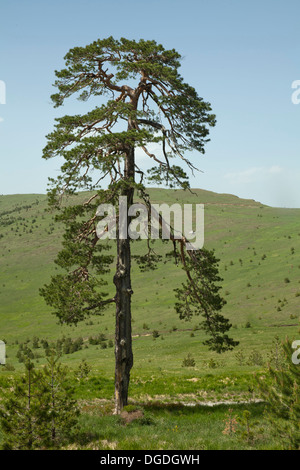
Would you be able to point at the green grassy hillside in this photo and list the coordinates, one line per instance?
(259, 251)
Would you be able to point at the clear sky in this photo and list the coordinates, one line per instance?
(241, 55)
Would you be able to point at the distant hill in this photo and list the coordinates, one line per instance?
(258, 247)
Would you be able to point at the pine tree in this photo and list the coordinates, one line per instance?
(277, 357)
(147, 102)
(200, 296)
(59, 409)
(20, 413)
(281, 390)
(38, 411)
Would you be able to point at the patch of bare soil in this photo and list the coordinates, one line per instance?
(129, 416)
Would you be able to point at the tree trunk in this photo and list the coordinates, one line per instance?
(122, 280)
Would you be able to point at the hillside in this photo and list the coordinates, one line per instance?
(259, 251)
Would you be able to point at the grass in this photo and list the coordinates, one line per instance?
(168, 427)
(259, 251)
(254, 243)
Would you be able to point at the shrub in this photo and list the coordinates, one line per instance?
(240, 358)
(212, 364)
(188, 361)
(83, 370)
(255, 359)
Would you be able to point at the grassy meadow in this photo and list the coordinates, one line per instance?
(259, 251)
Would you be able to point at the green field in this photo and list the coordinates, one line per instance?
(259, 251)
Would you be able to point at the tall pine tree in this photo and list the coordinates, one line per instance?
(140, 99)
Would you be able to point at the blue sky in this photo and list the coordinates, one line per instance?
(242, 56)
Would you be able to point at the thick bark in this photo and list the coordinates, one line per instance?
(123, 340)
(122, 280)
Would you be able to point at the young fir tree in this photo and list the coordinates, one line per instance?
(20, 412)
(38, 411)
(58, 408)
(281, 390)
(140, 99)
(277, 357)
